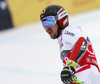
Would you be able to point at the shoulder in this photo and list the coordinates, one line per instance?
(71, 34)
(73, 30)
(70, 31)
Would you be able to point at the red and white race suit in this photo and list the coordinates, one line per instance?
(87, 69)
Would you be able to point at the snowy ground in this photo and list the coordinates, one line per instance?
(29, 56)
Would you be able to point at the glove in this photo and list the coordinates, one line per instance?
(66, 74)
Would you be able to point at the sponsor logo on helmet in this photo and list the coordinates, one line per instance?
(64, 22)
(62, 14)
(43, 11)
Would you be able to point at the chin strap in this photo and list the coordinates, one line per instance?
(60, 29)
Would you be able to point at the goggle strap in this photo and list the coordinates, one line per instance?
(56, 18)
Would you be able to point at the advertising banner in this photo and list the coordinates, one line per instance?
(26, 11)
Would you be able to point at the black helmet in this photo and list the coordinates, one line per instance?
(61, 16)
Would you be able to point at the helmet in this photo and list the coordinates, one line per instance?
(60, 14)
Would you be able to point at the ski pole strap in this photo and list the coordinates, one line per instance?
(71, 63)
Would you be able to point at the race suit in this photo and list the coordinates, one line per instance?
(87, 69)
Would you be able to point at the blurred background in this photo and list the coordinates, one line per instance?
(27, 54)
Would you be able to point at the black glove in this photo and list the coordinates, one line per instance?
(66, 74)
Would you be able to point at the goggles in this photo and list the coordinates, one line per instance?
(48, 21)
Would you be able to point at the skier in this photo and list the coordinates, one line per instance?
(76, 52)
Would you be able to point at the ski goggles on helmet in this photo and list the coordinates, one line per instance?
(48, 21)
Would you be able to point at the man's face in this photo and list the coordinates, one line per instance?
(52, 31)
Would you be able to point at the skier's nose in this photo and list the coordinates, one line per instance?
(47, 27)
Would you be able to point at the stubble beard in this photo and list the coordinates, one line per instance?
(53, 36)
